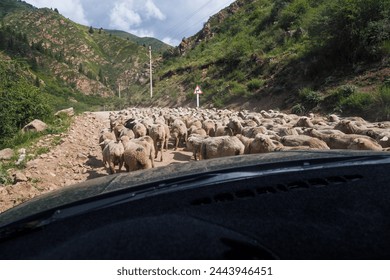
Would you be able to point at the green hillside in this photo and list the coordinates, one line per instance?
(9, 6)
(156, 44)
(69, 64)
(295, 55)
(304, 55)
(89, 60)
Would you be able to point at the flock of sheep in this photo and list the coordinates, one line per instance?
(137, 136)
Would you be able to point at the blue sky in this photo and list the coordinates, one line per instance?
(167, 20)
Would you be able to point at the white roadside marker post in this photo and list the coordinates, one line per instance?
(197, 91)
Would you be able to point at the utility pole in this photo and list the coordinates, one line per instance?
(119, 89)
(151, 72)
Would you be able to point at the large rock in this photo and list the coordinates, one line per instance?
(35, 125)
(19, 177)
(6, 154)
(69, 112)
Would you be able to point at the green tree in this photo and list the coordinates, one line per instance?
(346, 29)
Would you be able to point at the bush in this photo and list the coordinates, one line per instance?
(255, 84)
(237, 89)
(349, 31)
(359, 103)
(20, 104)
(310, 98)
(298, 109)
(381, 106)
(292, 12)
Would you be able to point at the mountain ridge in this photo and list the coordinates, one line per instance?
(291, 55)
(254, 53)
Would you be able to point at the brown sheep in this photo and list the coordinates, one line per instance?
(364, 144)
(209, 127)
(221, 130)
(112, 154)
(221, 146)
(105, 134)
(139, 130)
(260, 144)
(251, 132)
(194, 143)
(179, 132)
(338, 140)
(157, 133)
(303, 140)
(236, 126)
(304, 122)
(135, 155)
(349, 127)
(196, 130)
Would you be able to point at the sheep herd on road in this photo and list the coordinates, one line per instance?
(138, 136)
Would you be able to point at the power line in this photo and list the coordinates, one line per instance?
(183, 23)
(197, 23)
(180, 23)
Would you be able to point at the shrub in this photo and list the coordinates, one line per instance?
(255, 84)
(349, 31)
(298, 109)
(292, 12)
(357, 102)
(237, 89)
(381, 105)
(20, 104)
(310, 98)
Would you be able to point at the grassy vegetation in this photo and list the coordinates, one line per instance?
(28, 140)
(156, 45)
(267, 47)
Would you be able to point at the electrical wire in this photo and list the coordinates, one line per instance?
(187, 28)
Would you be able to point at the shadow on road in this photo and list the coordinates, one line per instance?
(94, 174)
(181, 157)
(95, 163)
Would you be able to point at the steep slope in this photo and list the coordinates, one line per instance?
(301, 54)
(48, 63)
(156, 44)
(9, 6)
(89, 60)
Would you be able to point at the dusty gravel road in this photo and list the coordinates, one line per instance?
(76, 159)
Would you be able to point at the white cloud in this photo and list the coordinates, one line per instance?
(171, 41)
(142, 32)
(123, 16)
(168, 20)
(128, 15)
(152, 11)
(72, 9)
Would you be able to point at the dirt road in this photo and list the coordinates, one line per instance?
(76, 159)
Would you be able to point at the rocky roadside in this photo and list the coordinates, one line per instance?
(75, 159)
